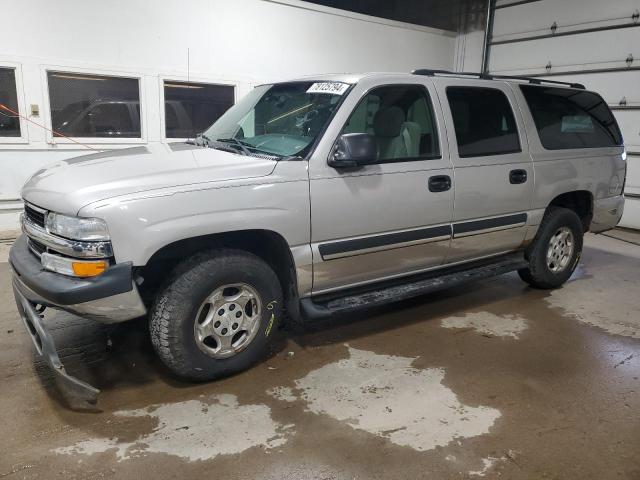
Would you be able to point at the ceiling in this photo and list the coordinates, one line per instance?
(456, 15)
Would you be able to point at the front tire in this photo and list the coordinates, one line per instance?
(217, 314)
(555, 251)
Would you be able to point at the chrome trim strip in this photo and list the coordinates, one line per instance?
(73, 248)
(488, 230)
(33, 250)
(381, 248)
(383, 241)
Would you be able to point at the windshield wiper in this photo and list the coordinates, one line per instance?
(237, 143)
(201, 140)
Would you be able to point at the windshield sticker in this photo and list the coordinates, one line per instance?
(332, 88)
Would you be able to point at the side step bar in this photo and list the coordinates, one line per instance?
(326, 306)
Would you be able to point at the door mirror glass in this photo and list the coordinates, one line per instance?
(354, 149)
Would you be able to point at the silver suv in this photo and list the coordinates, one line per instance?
(315, 197)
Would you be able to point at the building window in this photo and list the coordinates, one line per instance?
(9, 122)
(483, 121)
(95, 106)
(190, 108)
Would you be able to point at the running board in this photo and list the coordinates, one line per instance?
(326, 306)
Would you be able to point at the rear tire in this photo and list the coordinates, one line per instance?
(555, 251)
(217, 314)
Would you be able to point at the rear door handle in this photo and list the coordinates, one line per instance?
(439, 183)
(517, 176)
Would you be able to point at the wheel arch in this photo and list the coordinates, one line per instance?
(269, 245)
(579, 201)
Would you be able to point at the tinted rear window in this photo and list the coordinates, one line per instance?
(569, 118)
(483, 121)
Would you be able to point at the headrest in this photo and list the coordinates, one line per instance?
(388, 122)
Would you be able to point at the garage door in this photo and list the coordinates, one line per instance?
(587, 41)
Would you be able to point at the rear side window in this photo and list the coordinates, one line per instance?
(568, 118)
(483, 120)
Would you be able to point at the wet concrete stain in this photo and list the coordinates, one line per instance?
(567, 391)
(384, 395)
(194, 430)
(487, 323)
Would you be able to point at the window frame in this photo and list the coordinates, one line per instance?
(24, 132)
(537, 130)
(397, 160)
(98, 141)
(513, 113)
(183, 79)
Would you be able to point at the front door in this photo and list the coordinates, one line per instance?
(493, 169)
(392, 217)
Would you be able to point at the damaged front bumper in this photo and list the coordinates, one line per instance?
(109, 298)
(46, 348)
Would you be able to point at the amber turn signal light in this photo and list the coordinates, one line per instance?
(89, 269)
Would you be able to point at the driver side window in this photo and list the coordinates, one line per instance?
(401, 120)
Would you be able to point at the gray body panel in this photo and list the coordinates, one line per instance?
(151, 197)
(375, 200)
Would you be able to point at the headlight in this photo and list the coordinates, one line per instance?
(77, 228)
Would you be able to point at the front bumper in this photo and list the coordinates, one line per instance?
(45, 346)
(607, 213)
(108, 298)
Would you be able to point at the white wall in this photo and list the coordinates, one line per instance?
(596, 50)
(239, 42)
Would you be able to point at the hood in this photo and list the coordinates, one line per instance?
(68, 185)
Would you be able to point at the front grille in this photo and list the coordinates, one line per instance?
(37, 247)
(35, 216)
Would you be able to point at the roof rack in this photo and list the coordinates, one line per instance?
(485, 76)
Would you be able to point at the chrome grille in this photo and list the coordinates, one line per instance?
(35, 215)
(36, 247)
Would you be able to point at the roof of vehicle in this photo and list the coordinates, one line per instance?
(352, 78)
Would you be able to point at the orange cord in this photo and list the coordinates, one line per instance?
(4, 107)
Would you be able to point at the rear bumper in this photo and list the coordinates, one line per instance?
(607, 213)
(112, 297)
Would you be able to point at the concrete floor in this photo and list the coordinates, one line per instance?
(489, 380)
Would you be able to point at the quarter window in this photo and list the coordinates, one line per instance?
(401, 119)
(190, 108)
(568, 118)
(483, 121)
(9, 122)
(96, 106)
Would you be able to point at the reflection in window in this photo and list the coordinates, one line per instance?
(9, 122)
(94, 105)
(569, 118)
(401, 120)
(191, 108)
(483, 121)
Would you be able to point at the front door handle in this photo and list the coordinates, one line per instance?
(439, 183)
(517, 176)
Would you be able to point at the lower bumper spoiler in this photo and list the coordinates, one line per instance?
(45, 347)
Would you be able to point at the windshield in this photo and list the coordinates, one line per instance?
(283, 119)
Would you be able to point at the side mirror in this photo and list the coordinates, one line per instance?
(352, 150)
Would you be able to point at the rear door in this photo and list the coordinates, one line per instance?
(382, 220)
(493, 169)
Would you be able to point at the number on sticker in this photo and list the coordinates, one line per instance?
(332, 88)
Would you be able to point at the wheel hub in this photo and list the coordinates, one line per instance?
(228, 320)
(560, 250)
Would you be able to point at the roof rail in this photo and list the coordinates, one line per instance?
(485, 76)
